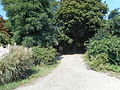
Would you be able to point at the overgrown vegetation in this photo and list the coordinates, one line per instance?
(15, 65)
(46, 23)
(44, 55)
(38, 71)
(4, 36)
(31, 22)
(4, 39)
(103, 50)
(18, 63)
(80, 19)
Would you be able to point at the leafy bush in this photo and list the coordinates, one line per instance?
(98, 62)
(15, 65)
(108, 46)
(4, 39)
(43, 55)
(114, 68)
(102, 34)
(28, 42)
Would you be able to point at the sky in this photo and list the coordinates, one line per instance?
(2, 12)
(112, 4)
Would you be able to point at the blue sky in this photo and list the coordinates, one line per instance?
(111, 3)
(2, 12)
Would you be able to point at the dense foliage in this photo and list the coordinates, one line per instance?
(114, 21)
(4, 39)
(114, 13)
(43, 23)
(103, 50)
(43, 55)
(14, 65)
(30, 24)
(4, 36)
(108, 46)
(17, 64)
(31, 21)
(79, 19)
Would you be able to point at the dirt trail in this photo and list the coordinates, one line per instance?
(72, 74)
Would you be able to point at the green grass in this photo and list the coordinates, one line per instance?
(38, 71)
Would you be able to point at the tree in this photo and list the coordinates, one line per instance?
(79, 19)
(114, 13)
(114, 19)
(31, 21)
(4, 36)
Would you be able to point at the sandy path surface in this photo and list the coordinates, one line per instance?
(72, 74)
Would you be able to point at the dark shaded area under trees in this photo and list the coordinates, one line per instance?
(79, 20)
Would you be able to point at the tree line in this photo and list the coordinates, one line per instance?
(49, 22)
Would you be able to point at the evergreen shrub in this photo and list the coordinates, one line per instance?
(43, 55)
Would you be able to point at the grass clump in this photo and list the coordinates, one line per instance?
(37, 71)
(23, 64)
(15, 65)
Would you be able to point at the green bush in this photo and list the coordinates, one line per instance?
(5, 39)
(108, 46)
(43, 55)
(15, 65)
(98, 62)
(102, 34)
(114, 68)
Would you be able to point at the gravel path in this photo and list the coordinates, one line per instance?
(72, 74)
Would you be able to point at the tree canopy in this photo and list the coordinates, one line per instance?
(79, 19)
(114, 13)
(114, 19)
(31, 21)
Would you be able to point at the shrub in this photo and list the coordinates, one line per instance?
(5, 39)
(43, 55)
(114, 68)
(107, 46)
(102, 34)
(15, 64)
(98, 62)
